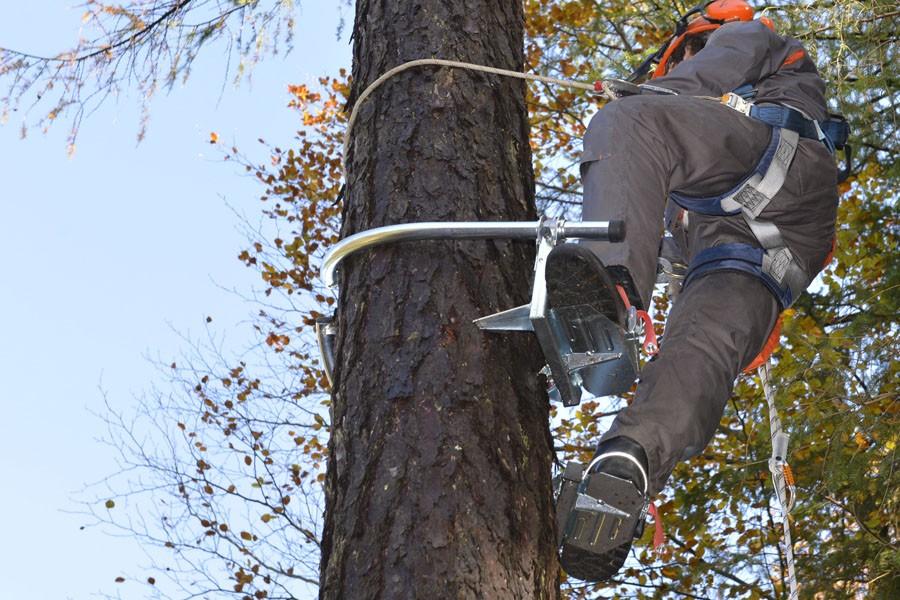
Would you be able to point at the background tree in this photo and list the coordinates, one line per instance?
(836, 371)
(143, 46)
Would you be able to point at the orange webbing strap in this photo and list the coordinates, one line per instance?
(789, 475)
(772, 343)
(659, 535)
(794, 58)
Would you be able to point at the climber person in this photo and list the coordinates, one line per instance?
(752, 197)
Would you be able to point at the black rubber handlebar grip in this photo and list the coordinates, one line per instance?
(616, 231)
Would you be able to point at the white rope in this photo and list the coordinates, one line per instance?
(438, 62)
(784, 490)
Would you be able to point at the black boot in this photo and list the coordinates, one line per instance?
(609, 513)
(576, 277)
(589, 312)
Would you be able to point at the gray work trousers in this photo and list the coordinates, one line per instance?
(636, 151)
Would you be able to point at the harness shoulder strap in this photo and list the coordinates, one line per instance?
(755, 194)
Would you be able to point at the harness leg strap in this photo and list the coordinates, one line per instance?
(773, 262)
(779, 274)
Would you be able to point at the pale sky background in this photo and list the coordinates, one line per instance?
(105, 258)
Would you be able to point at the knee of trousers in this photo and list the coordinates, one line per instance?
(624, 119)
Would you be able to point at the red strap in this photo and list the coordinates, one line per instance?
(651, 346)
(793, 58)
(623, 296)
(659, 536)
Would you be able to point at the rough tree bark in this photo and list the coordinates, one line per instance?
(438, 483)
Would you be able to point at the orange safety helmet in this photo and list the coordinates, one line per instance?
(709, 16)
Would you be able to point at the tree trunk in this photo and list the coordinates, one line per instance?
(438, 483)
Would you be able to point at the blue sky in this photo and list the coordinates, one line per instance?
(107, 257)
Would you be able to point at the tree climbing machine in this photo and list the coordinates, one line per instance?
(611, 365)
(609, 368)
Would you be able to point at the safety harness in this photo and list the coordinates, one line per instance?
(772, 262)
(834, 131)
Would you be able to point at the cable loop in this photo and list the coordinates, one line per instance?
(439, 62)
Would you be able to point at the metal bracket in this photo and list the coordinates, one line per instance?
(514, 319)
(580, 360)
(555, 346)
(612, 364)
(589, 503)
(326, 332)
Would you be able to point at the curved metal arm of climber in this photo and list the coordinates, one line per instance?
(731, 146)
(558, 229)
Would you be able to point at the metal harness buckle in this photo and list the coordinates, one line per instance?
(732, 100)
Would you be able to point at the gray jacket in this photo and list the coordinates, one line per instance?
(749, 52)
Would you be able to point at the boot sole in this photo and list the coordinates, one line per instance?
(596, 543)
(576, 277)
(588, 566)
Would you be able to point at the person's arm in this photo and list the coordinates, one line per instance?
(736, 53)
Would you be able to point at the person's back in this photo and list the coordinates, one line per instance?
(741, 53)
